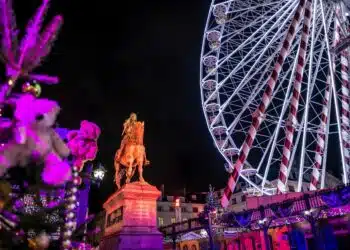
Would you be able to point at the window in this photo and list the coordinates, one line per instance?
(183, 209)
(173, 220)
(234, 201)
(291, 188)
(195, 209)
(159, 208)
(184, 219)
(160, 221)
(243, 198)
(171, 209)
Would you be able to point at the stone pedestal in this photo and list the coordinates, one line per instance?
(131, 219)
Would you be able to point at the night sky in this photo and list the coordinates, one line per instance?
(117, 57)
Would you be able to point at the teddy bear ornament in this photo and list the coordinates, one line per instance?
(35, 140)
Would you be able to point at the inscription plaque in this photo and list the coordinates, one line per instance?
(115, 217)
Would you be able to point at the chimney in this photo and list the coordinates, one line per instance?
(162, 190)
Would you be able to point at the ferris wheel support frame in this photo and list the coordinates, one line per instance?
(308, 95)
(266, 100)
(292, 121)
(329, 106)
(311, 90)
(279, 123)
(344, 60)
(303, 117)
(254, 94)
(334, 91)
(303, 121)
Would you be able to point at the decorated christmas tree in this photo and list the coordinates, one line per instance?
(212, 203)
(40, 172)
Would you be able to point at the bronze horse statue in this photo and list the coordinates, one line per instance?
(131, 155)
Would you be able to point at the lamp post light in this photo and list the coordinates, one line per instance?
(95, 175)
(98, 174)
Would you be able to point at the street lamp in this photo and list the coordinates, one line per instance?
(99, 173)
(178, 209)
(94, 175)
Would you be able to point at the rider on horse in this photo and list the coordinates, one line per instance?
(129, 133)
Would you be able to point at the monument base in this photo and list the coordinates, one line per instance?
(133, 241)
(131, 219)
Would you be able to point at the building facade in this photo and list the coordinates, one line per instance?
(172, 209)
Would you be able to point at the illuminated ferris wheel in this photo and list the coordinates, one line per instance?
(275, 90)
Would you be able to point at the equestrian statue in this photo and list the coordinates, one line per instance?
(132, 153)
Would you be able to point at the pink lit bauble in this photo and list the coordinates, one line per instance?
(77, 180)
